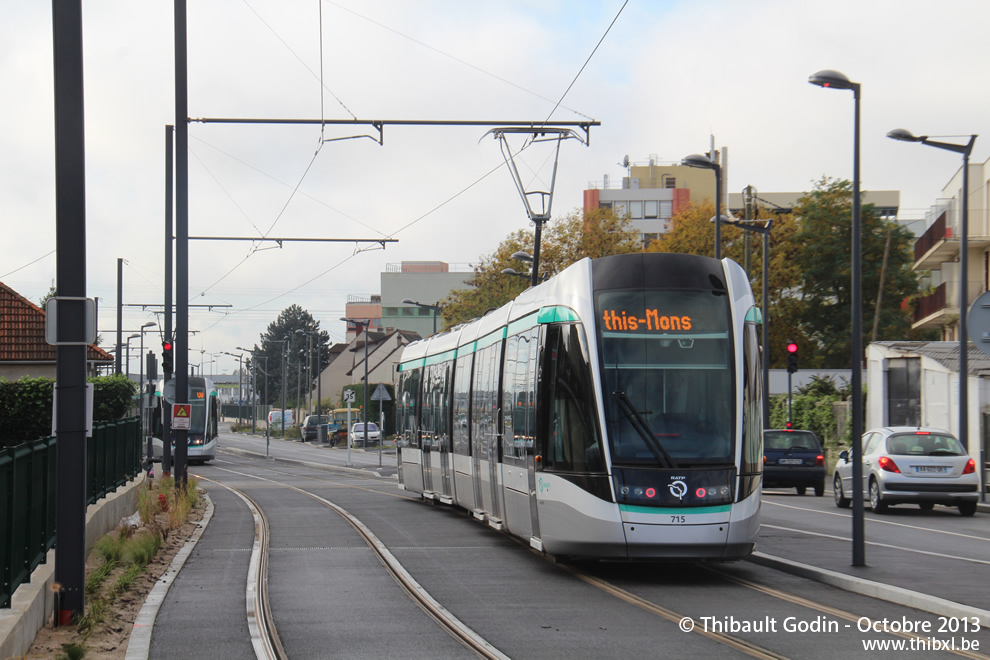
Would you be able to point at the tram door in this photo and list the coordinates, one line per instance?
(484, 427)
(436, 414)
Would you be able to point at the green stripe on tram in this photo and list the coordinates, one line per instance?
(630, 508)
(557, 314)
(439, 357)
(525, 323)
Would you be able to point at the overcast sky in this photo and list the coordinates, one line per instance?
(666, 77)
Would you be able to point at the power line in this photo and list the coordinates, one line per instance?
(586, 61)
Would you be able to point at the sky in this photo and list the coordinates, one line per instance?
(664, 77)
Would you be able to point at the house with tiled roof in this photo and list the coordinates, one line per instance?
(23, 350)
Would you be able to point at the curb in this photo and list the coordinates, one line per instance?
(294, 461)
(879, 590)
(139, 643)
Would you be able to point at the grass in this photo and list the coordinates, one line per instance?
(162, 508)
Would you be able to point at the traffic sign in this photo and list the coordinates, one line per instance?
(381, 394)
(978, 322)
(181, 415)
(350, 396)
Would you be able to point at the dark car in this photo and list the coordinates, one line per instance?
(311, 426)
(793, 459)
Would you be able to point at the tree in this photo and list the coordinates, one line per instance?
(823, 244)
(296, 347)
(594, 233)
(693, 232)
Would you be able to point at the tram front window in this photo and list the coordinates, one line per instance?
(667, 377)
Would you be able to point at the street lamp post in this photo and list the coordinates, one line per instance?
(836, 80)
(704, 162)
(965, 150)
(765, 230)
(319, 376)
(127, 355)
(141, 387)
(240, 387)
(285, 349)
(366, 323)
(436, 308)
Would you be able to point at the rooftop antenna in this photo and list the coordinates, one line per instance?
(542, 199)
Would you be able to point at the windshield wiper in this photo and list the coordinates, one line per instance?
(643, 430)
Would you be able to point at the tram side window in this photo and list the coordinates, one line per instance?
(519, 392)
(752, 432)
(462, 404)
(484, 400)
(435, 407)
(408, 395)
(572, 437)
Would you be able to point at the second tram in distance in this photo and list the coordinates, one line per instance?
(611, 412)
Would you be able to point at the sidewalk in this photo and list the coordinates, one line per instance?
(951, 586)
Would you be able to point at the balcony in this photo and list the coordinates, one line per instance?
(931, 309)
(936, 245)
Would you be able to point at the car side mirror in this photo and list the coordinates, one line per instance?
(844, 455)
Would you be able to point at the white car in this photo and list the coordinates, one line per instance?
(357, 434)
(907, 464)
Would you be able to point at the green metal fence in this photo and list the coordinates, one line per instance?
(27, 493)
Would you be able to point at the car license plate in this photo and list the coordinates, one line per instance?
(791, 461)
(931, 469)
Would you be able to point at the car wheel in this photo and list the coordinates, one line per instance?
(926, 506)
(801, 490)
(876, 502)
(967, 508)
(841, 500)
(820, 488)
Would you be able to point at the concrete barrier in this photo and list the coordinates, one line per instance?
(33, 603)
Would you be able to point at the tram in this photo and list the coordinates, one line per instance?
(205, 408)
(611, 412)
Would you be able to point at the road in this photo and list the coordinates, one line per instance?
(330, 596)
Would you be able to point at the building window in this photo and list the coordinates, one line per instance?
(620, 209)
(670, 182)
(636, 210)
(651, 209)
(666, 209)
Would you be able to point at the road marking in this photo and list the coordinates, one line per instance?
(880, 521)
(879, 545)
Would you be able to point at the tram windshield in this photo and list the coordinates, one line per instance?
(198, 400)
(667, 376)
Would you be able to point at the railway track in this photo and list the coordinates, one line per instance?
(483, 648)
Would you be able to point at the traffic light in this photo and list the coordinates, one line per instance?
(792, 357)
(167, 355)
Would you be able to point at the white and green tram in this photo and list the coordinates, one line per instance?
(613, 412)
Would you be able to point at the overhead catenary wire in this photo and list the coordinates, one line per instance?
(595, 50)
(313, 73)
(455, 58)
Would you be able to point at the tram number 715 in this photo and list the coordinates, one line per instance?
(678, 519)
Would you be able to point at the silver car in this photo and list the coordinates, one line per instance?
(901, 464)
(357, 434)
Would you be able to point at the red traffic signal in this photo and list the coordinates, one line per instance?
(167, 360)
(792, 357)
(167, 346)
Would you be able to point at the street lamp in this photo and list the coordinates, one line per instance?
(319, 373)
(127, 354)
(836, 80)
(254, 389)
(240, 387)
(436, 308)
(366, 324)
(965, 150)
(285, 349)
(704, 162)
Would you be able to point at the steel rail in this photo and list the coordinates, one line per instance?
(261, 624)
(444, 617)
